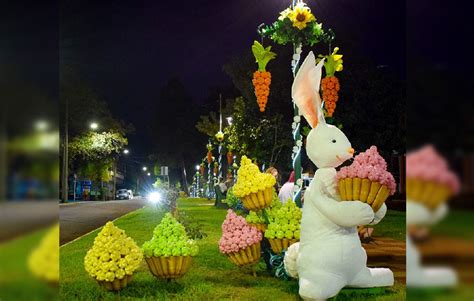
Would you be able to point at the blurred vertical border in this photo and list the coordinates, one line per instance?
(29, 145)
(440, 112)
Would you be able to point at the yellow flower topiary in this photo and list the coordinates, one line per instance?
(44, 260)
(250, 179)
(113, 255)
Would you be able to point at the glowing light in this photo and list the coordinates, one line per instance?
(144, 168)
(41, 125)
(229, 120)
(126, 151)
(154, 197)
(197, 167)
(94, 125)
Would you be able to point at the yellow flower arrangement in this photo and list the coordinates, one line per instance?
(250, 179)
(114, 255)
(44, 260)
(300, 16)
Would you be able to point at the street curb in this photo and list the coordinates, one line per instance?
(79, 237)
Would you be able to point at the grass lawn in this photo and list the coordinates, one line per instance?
(393, 225)
(16, 281)
(212, 276)
(457, 224)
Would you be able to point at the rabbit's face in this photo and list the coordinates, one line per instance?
(327, 146)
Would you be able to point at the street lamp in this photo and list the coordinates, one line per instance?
(126, 151)
(198, 167)
(41, 125)
(144, 168)
(148, 174)
(94, 125)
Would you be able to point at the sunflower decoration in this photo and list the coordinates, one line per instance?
(330, 84)
(220, 136)
(300, 16)
(295, 25)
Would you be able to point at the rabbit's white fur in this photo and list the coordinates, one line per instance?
(330, 252)
(417, 274)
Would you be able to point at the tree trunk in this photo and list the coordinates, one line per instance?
(185, 180)
(114, 191)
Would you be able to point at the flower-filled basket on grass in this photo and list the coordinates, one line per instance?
(366, 180)
(240, 242)
(256, 219)
(284, 227)
(253, 187)
(113, 258)
(169, 253)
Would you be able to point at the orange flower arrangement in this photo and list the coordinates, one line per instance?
(261, 81)
(262, 78)
(330, 84)
(230, 157)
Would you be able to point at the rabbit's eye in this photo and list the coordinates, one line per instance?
(333, 140)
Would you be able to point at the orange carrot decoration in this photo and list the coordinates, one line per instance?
(330, 84)
(262, 78)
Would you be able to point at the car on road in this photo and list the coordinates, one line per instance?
(124, 194)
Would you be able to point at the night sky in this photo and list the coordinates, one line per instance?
(127, 51)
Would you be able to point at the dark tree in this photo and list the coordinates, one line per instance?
(176, 141)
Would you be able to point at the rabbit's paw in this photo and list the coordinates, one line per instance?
(360, 213)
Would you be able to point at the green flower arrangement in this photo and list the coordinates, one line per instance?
(170, 239)
(295, 25)
(284, 222)
(255, 218)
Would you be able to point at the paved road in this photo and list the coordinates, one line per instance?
(77, 219)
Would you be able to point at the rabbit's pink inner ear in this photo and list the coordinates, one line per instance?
(310, 113)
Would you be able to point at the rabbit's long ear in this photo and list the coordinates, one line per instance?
(305, 90)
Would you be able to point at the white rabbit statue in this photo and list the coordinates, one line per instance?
(417, 274)
(329, 255)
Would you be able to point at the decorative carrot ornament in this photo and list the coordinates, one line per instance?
(230, 156)
(209, 153)
(262, 78)
(330, 84)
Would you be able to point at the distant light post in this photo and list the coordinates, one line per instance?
(197, 181)
(148, 174)
(144, 168)
(126, 151)
(41, 125)
(94, 126)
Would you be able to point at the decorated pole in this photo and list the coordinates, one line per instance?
(197, 184)
(296, 155)
(209, 170)
(220, 140)
(297, 26)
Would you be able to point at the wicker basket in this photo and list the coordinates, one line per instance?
(247, 256)
(171, 267)
(260, 227)
(258, 200)
(364, 190)
(279, 245)
(117, 284)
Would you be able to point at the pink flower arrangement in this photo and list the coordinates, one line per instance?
(371, 165)
(237, 234)
(427, 164)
